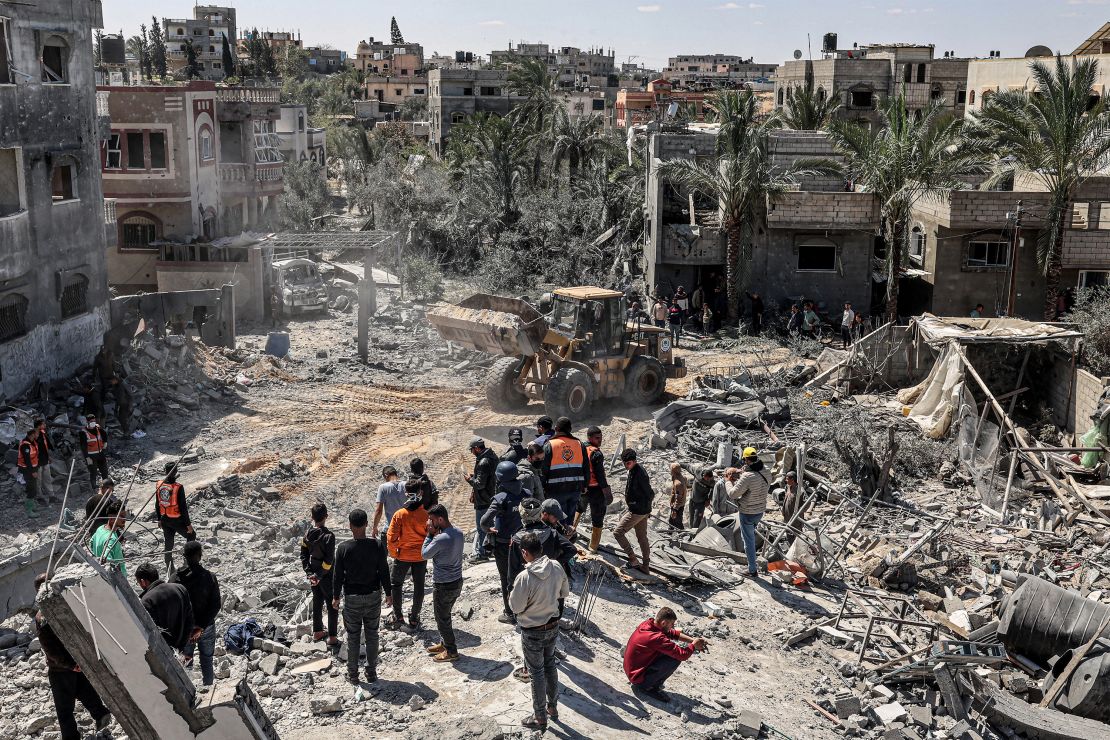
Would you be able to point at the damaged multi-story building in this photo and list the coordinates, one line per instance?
(864, 75)
(634, 107)
(710, 71)
(206, 31)
(53, 290)
(392, 73)
(456, 94)
(814, 243)
(570, 67)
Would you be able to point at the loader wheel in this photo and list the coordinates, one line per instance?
(569, 393)
(501, 389)
(644, 382)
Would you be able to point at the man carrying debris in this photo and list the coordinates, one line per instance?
(67, 683)
(173, 513)
(638, 496)
(407, 532)
(443, 545)
(204, 595)
(749, 492)
(105, 543)
(545, 430)
(502, 521)
(483, 484)
(27, 461)
(94, 443)
(391, 497)
(534, 600)
(420, 482)
(598, 493)
(317, 560)
(699, 497)
(361, 574)
(566, 467)
(653, 653)
(169, 606)
(516, 452)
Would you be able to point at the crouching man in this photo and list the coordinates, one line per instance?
(654, 651)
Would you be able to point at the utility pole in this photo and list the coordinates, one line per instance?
(1014, 251)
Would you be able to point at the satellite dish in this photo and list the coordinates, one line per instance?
(797, 53)
(1039, 51)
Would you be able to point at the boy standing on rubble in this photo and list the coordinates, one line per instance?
(749, 492)
(105, 541)
(638, 496)
(28, 463)
(317, 559)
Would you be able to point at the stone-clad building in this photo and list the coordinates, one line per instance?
(456, 94)
(53, 291)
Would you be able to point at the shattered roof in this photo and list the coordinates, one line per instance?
(1001, 330)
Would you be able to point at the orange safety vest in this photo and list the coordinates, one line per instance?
(93, 444)
(167, 500)
(590, 450)
(32, 453)
(566, 461)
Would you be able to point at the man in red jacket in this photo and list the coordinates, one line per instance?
(653, 653)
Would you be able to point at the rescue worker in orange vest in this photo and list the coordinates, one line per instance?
(565, 468)
(173, 512)
(598, 494)
(94, 444)
(27, 461)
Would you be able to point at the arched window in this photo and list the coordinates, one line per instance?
(917, 243)
(971, 97)
(13, 316)
(204, 143)
(458, 117)
(75, 296)
(55, 60)
(821, 94)
(137, 231)
(300, 120)
(782, 94)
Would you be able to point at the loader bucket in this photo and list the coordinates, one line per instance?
(492, 324)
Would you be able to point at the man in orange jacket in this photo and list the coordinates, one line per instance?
(406, 534)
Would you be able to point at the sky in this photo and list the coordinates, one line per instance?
(649, 31)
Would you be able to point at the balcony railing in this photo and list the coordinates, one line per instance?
(246, 173)
(102, 103)
(109, 210)
(248, 95)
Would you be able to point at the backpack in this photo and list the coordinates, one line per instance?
(238, 637)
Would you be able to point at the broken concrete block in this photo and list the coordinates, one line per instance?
(846, 706)
(921, 715)
(269, 664)
(749, 724)
(890, 713)
(37, 723)
(879, 691)
(326, 704)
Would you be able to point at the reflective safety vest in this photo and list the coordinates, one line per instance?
(167, 500)
(94, 445)
(566, 461)
(590, 450)
(28, 451)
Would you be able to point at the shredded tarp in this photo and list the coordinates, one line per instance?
(934, 401)
(936, 330)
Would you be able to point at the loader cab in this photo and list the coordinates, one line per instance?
(593, 317)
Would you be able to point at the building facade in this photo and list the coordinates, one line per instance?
(53, 288)
(389, 60)
(394, 90)
(571, 68)
(206, 30)
(634, 107)
(326, 61)
(709, 71)
(300, 142)
(456, 94)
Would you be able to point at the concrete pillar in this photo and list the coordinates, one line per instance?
(367, 305)
(227, 315)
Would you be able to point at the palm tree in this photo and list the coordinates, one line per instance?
(492, 152)
(530, 79)
(740, 178)
(807, 110)
(577, 141)
(908, 157)
(1055, 135)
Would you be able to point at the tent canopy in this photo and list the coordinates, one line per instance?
(939, 330)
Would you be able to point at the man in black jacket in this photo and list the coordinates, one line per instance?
(483, 485)
(701, 495)
(501, 521)
(67, 682)
(169, 606)
(204, 595)
(422, 484)
(317, 559)
(360, 576)
(637, 496)
(555, 546)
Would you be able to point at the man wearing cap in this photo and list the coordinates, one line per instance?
(173, 513)
(565, 467)
(483, 484)
(598, 493)
(700, 495)
(638, 496)
(94, 445)
(204, 595)
(563, 551)
(516, 452)
(749, 493)
(545, 430)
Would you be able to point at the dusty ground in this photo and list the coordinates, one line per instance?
(321, 428)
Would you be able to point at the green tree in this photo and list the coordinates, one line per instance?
(1058, 135)
(227, 57)
(191, 70)
(493, 152)
(809, 110)
(294, 64)
(577, 141)
(395, 36)
(306, 196)
(414, 109)
(907, 158)
(530, 79)
(137, 47)
(157, 43)
(740, 178)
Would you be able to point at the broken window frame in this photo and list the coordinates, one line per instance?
(266, 143)
(64, 167)
(7, 69)
(116, 151)
(998, 245)
(869, 105)
(1084, 281)
(74, 295)
(813, 244)
(917, 243)
(16, 177)
(50, 75)
(13, 316)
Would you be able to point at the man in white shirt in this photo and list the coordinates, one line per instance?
(846, 321)
(391, 497)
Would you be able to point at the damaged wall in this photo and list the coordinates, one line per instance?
(105, 627)
(217, 306)
(51, 351)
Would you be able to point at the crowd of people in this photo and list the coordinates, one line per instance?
(529, 503)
